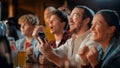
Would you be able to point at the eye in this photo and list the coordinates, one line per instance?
(98, 23)
(75, 16)
(54, 20)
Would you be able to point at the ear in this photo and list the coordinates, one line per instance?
(111, 29)
(86, 21)
(63, 24)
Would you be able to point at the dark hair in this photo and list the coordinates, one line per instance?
(13, 30)
(63, 17)
(112, 19)
(88, 13)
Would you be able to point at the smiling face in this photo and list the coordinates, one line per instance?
(76, 20)
(55, 24)
(100, 29)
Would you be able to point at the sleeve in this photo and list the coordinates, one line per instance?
(115, 63)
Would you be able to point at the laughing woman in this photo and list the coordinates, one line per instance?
(105, 31)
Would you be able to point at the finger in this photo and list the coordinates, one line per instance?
(94, 50)
(40, 41)
(35, 32)
(85, 49)
(89, 54)
(40, 28)
(29, 52)
(46, 41)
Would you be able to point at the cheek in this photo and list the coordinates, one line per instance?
(76, 20)
(100, 33)
(56, 24)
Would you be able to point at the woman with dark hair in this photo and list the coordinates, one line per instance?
(5, 53)
(105, 31)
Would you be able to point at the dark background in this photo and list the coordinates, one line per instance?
(37, 7)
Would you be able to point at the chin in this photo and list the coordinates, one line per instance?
(93, 38)
(51, 32)
(96, 39)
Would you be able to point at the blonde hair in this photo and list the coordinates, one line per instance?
(28, 18)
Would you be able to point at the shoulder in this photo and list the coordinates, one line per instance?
(20, 40)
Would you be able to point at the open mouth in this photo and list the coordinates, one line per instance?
(51, 27)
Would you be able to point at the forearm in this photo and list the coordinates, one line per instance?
(51, 56)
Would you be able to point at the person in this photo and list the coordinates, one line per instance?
(59, 28)
(79, 22)
(5, 53)
(28, 43)
(105, 30)
(13, 28)
(11, 33)
(47, 13)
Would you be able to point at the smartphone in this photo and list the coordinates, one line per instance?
(41, 35)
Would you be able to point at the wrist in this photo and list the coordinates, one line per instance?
(94, 65)
(84, 63)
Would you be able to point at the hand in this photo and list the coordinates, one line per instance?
(83, 54)
(30, 55)
(29, 51)
(36, 30)
(92, 56)
(44, 47)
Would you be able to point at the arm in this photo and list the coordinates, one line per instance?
(52, 55)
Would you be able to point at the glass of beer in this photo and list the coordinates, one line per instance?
(20, 60)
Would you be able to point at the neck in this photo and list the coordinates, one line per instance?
(105, 43)
(58, 36)
(28, 38)
(81, 31)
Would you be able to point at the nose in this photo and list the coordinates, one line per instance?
(22, 26)
(50, 23)
(92, 28)
(70, 19)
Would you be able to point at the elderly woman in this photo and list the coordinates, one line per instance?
(105, 31)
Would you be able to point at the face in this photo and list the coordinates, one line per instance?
(75, 20)
(47, 15)
(100, 29)
(27, 29)
(55, 24)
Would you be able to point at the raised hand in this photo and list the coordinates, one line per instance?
(83, 55)
(36, 30)
(92, 56)
(44, 47)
